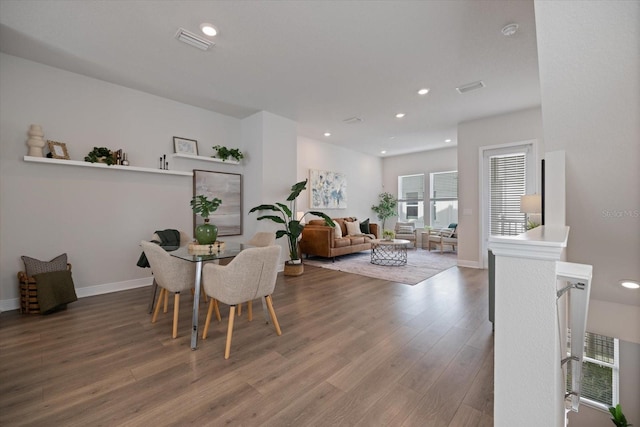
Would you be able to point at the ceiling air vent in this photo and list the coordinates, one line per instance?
(352, 120)
(193, 40)
(470, 86)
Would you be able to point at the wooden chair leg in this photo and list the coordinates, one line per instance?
(232, 315)
(250, 310)
(166, 301)
(239, 309)
(272, 313)
(208, 320)
(176, 308)
(157, 309)
(215, 305)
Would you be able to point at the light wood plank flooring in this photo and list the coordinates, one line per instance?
(355, 351)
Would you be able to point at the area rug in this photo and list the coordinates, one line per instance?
(421, 264)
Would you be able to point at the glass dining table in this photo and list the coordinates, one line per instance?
(225, 250)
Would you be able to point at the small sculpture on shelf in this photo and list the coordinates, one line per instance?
(223, 153)
(36, 141)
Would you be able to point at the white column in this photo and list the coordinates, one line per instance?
(528, 379)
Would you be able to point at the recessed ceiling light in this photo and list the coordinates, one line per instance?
(447, 140)
(327, 134)
(510, 30)
(400, 115)
(423, 91)
(630, 284)
(383, 152)
(208, 29)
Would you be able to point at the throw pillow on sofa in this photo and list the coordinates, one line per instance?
(338, 231)
(405, 229)
(353, 228)
(364, 227)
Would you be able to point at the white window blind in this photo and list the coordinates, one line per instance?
(507, 184)
(444, 186)
(411, 199)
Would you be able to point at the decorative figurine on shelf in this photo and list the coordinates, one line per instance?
(125, 160)
(35, 142)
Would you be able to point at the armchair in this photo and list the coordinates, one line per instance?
(406, 231)
(444, 237)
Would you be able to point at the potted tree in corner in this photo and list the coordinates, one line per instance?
(206, 234)
(292, 226)
(386, 208)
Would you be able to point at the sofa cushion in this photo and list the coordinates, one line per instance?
(338, 231)
(364, 227)
(342, 242)
(357, 240)
(353, 228)
(405, 229)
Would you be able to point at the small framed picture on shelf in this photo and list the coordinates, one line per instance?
(185, 146)
(58, 150)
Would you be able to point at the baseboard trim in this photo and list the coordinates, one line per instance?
(89, 291)
(469, 264)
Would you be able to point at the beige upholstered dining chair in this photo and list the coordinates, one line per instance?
(172, 275)
(251, 274)
(262, 238)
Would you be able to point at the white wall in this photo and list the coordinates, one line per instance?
(363, 172)
(518, 126)
(426, 162)
(590, 87)
(97, 217)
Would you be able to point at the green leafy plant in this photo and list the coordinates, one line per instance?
(285, 216)
(203, 206)
(386, 207)
(617, 417)
(388, 234)
(223, 153)
(100, 153)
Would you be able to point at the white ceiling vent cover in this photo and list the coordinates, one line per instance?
(470, 86)
(352, 120)
(193, 40)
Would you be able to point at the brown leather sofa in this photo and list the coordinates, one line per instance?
(318, 239)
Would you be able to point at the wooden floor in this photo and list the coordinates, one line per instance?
(354, 351)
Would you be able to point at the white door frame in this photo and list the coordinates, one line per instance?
(529, 147)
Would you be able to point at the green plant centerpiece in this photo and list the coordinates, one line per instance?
(223, 153)
(206, 234)
(388, 234)
(101, 155)
(386, 207)
(292, 228)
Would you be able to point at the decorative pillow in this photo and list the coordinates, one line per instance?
(405, 229)
(364, 227)
(353, 228)
(338, 233)
(33, 266)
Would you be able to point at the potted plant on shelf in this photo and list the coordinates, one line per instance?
(206, 234)
(292, 226)
(100, 155)
(386, 207)
(223, 153)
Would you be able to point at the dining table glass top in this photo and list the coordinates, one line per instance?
(212, 252)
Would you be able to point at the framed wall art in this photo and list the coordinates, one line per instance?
(328, 189)
(228, 188)
(58, 150)
(185, 146)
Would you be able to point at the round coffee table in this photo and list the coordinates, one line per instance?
(389, 252)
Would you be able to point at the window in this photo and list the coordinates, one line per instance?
(411, 199)
(600, 370)
(444, 199)
(507, 183)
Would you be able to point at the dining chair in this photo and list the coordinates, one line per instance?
(172, 275)
(251, 274)
(262, 238)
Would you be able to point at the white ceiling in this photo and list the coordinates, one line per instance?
(315, 62)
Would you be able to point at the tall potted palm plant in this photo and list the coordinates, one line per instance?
(292, 228)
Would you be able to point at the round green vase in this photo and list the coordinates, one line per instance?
(206, 233)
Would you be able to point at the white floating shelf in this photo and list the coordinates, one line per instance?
(205, 159)
(103, 166)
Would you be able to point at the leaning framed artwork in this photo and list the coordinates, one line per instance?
(58, 150)
(185, 146)
(328, 189)
(228, 188)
